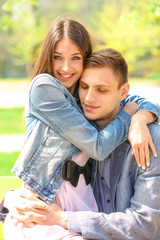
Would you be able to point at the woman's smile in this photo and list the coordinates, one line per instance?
(66, 76)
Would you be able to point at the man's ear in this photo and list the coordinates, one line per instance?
(124, 90)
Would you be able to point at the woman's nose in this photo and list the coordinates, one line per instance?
(65, 65)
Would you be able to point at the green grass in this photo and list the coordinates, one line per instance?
(12, 120)
(7, 183)
(7, 161)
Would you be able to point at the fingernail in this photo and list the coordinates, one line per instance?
(139, 165)
(155, 154)
(148, 164)
(143, 167)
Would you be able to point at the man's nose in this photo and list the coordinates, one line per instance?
(90, 97)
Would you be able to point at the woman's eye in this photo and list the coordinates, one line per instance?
(57, 57)
(76, 58)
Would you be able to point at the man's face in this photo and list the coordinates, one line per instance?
(100, 95)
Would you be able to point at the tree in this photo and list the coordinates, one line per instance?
(133, 29)
(18, 23)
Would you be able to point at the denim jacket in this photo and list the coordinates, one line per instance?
(56, 130)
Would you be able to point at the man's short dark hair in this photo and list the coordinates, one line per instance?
(109, 58)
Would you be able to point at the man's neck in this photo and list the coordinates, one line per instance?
(102, 123)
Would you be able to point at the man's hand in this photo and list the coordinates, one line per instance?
(54, 215)
(140, 138)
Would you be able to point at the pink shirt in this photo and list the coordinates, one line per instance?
(69, 198)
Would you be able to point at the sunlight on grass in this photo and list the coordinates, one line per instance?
(12, 120)
(7, 161)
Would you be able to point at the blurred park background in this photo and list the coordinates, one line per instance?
(131, 27)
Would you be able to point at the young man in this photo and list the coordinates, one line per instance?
(128, 197)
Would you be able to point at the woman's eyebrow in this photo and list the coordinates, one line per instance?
(77, 53)
(57, 52)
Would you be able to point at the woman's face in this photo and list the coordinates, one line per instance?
(67, 63)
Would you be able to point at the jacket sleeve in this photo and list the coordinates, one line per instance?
(139, 221)
(52, 104)
(144, 104)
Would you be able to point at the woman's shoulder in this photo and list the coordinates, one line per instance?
(46, 84)
(45, 78)
(46, 81)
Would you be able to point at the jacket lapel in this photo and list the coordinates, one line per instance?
(116, 166)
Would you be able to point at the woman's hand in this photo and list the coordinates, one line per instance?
(24, 205)
(140, 138)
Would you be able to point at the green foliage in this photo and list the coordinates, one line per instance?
(131, 27)
(12, 121)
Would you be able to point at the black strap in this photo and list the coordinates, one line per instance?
(71, 172)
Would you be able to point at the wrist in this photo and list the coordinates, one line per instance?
(143, 116)
(64, 220)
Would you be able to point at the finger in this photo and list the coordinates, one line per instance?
(29, 225)
(28, 193)
(29, 217)
(147, 159)
(153, 149)
(33, 206)
(142, 157)
(136, 154)
(29, 205)
(40, 206)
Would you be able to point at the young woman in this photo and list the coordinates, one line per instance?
(56, 128)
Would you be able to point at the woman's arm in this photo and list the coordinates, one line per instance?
(54, 105)
(139, 135)
(144, 104)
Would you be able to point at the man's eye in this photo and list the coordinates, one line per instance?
(83, 86)
(102, 90)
